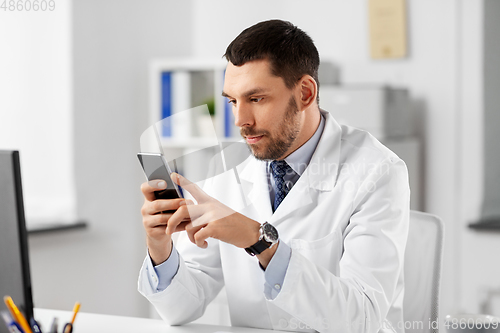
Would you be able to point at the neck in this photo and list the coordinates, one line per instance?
(310, 121)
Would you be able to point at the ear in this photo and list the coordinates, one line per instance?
(308, 91)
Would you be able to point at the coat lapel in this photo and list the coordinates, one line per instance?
(254, 183)
(323, 168)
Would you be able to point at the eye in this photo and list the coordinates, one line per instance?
(231, 101)
(256, 99)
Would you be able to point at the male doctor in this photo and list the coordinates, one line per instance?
(310, 234)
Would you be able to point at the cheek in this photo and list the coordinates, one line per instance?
(270, 116)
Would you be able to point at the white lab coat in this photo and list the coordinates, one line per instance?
(346, 220)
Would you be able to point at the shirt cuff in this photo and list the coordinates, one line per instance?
(276, 270)
(161, 276)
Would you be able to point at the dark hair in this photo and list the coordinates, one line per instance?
(290, 50)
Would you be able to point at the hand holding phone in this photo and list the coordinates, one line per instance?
(155, 220)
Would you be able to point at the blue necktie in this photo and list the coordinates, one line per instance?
(279, 169)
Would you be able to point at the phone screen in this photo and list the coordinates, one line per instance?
(156, 167)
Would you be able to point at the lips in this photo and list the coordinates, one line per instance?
(253, 139)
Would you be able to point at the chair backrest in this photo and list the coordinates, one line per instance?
(422, 271)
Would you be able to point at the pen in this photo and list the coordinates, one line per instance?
(53, 327)
(11, 323)
(68, 328)
(17, 315)
(76, 308)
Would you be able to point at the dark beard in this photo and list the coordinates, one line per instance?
(287, 133)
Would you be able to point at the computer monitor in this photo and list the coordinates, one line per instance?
(15, 279)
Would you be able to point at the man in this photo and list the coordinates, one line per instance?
(333, 218)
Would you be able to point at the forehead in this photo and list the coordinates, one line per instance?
(252, 75)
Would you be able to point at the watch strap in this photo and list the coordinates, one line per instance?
(258, 247)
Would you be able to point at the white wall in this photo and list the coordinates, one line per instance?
(442, 72)
(112, 43)
(479, 275)
(36, 115)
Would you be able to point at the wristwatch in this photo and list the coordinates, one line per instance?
(268, 238)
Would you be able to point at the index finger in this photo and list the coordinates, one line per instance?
(189, 186)
(148, 188)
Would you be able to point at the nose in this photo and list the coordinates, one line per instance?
(243, 115)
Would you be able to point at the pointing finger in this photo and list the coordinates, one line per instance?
(191, 187)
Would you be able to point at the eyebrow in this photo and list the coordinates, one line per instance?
(248, 93)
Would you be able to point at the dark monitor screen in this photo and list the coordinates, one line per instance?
(15, 278)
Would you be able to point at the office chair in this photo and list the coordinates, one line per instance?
(422, 272)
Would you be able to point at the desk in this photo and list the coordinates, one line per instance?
(98, 323)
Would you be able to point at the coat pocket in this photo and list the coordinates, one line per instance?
(325, 252)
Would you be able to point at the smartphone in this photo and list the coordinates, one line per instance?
(156, 167)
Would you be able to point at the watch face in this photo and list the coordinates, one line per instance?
(270, 233)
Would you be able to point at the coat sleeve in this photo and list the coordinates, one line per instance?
(197, 282)
(198, 279)
(359, 297)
